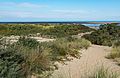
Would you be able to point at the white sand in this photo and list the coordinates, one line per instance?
(91, 59)
(13, 39)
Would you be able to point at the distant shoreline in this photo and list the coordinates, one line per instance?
(64, 22)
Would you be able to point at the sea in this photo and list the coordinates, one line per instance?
(86, 23)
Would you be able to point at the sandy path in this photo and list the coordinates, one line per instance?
(91, 58)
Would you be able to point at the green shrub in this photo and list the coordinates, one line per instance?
(28, 42)
(70, 38)
(11, 64)
(105, 35)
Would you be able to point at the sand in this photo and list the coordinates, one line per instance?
(91, 59)
(13, 39)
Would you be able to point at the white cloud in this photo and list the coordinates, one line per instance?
(14, 14)
(25, 4)
(20, 10)
(58, 14)
(70, 11)
(76, 14)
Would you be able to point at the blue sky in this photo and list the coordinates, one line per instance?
(59, 10)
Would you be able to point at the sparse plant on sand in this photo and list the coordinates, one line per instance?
(115, 53)
(100, 72)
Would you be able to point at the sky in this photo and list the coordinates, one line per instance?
(59, 10)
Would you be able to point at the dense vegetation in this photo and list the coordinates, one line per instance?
(105, 35)
(49, 30)
(67, 30)
(18, 29)
(27, 57)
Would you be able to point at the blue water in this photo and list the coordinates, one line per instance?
(92, 25)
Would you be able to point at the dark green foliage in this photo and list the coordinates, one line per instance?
(22, 61)
(70, 38)
(11, 64)
(28, 42)
(105, 35)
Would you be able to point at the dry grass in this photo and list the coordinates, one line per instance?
(100, 72)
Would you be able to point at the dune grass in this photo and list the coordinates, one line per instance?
(100, 72)
(103, 73)
(115, 53)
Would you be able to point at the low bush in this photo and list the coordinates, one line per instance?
(11, 64)
(28, 42)
(105, 35)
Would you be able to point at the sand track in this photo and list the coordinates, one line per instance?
(91, 59)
